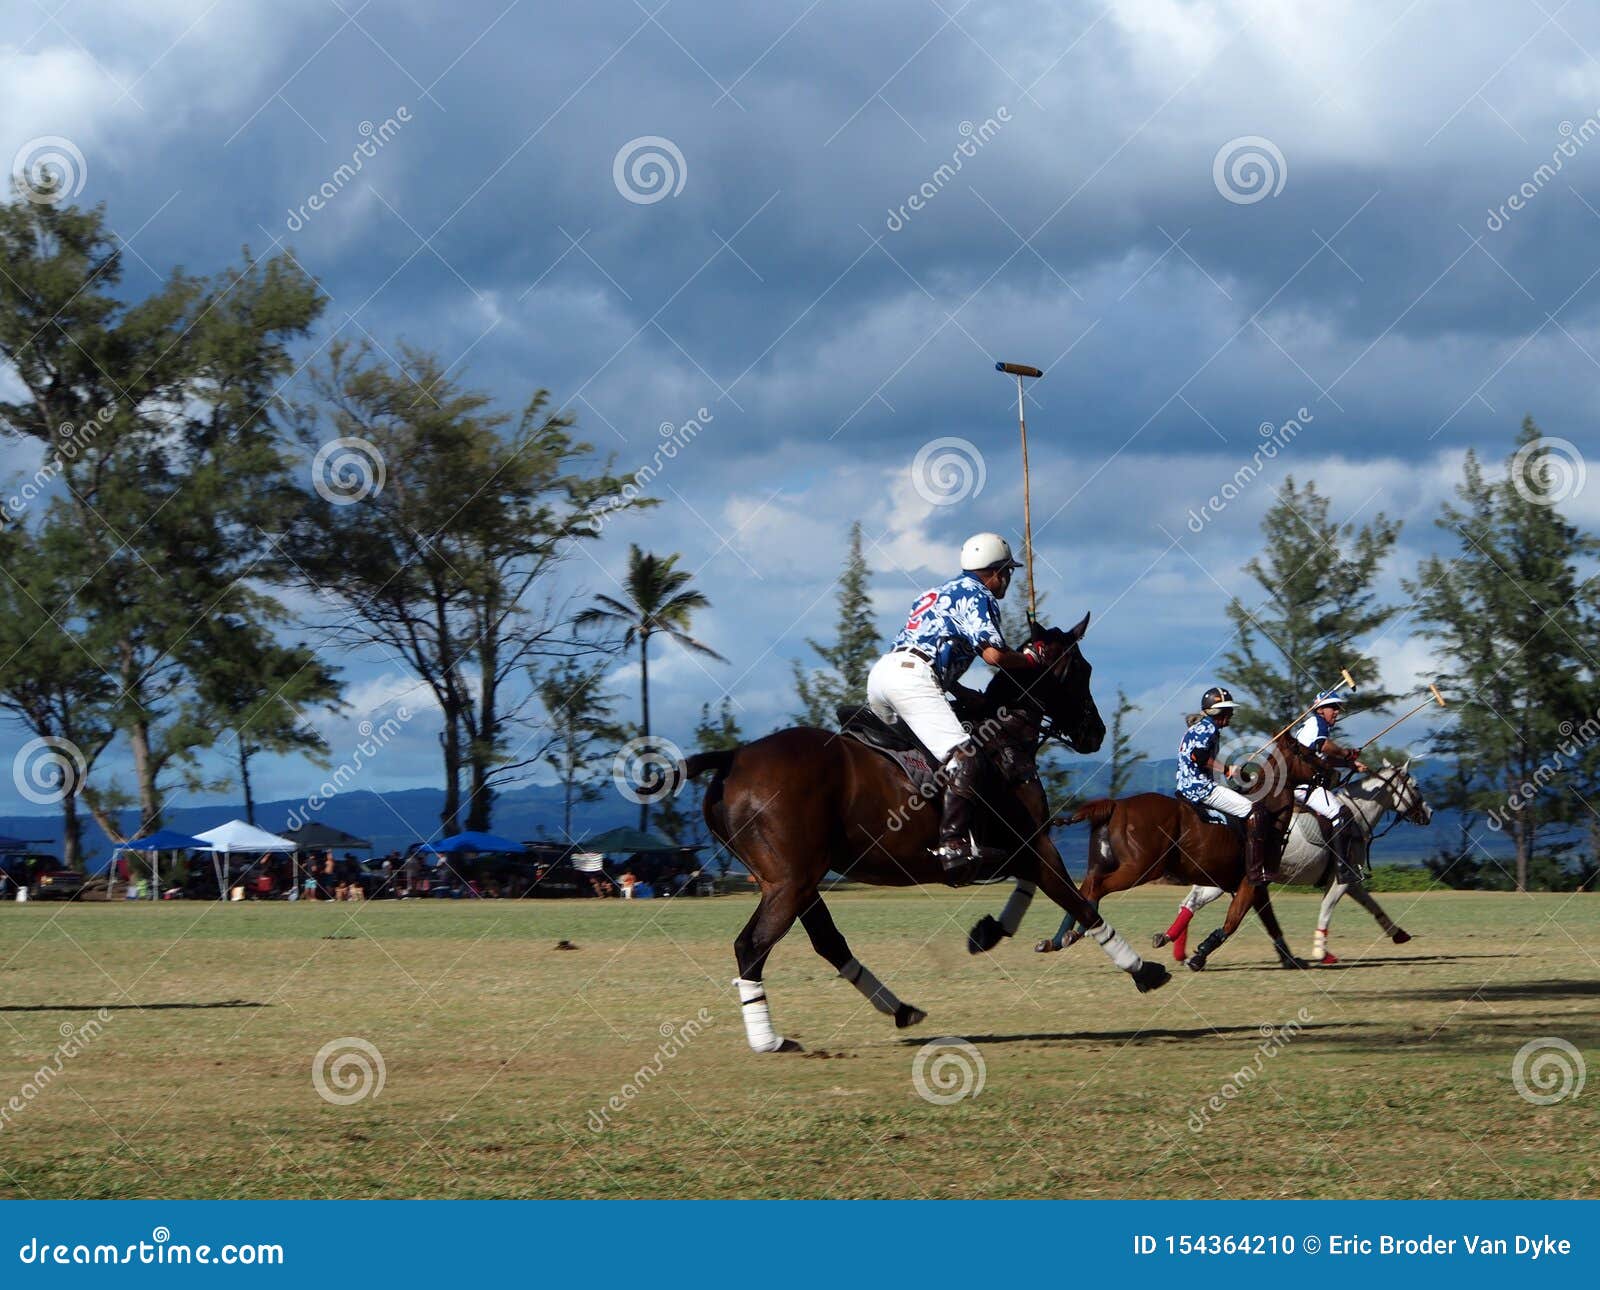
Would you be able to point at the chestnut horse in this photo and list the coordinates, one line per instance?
(801, 802)
(1134, 840)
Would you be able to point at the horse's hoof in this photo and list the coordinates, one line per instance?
(1160, 940)
(1400, 936)
(1045, 947)
(986, 933)
(789, 1046)
(1197, 963)
(1071, 938)
(1294, 964)
(1328, 959)
(906, 1015)
(1150, 976)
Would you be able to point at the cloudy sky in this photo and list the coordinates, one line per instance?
(823, 222)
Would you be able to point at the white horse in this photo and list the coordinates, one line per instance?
(1309, 860)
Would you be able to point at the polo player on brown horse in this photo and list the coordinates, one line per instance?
(1137, 839)
(803, 802)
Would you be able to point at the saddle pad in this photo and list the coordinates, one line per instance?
(916, 764)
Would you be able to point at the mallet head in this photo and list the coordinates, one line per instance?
(1018, 369)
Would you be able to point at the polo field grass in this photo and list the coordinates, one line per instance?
(173, 1051)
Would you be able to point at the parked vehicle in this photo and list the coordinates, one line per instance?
(56, 883)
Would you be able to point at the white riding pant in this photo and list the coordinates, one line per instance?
(1320, 800)
(902, 687)
(1228, 801)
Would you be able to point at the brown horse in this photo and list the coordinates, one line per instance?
(1135, 840)
(802, 802)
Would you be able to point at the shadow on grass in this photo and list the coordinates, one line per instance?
(1509, 990)
(1350, 965)
(127, 1007)
(1133, 1036)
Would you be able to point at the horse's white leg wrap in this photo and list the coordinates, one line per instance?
(1319, 943)
(1016, 906)
(757, 1016)
(1117, 950)
(878, 995)
(1199, 897)
(1335, 894)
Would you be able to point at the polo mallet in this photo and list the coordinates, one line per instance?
(1020, 370)
(1433, 697)
(1346, 680)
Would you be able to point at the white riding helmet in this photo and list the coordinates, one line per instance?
(985, 551)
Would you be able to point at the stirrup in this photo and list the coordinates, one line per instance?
(959, 862)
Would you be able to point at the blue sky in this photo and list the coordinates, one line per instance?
(1368, 271)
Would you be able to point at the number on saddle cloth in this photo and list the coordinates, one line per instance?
(895, 741)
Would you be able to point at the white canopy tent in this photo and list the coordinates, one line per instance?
(237, 837)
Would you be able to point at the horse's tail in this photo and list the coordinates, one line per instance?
(697, 765)
(700, 763)
(1097, 812)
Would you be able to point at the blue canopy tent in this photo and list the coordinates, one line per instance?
(160, 840)
(486, 843)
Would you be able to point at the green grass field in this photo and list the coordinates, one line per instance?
(499, 1054)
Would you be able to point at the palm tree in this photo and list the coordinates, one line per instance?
(658, 599)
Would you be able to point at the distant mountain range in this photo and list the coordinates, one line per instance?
(391, 821)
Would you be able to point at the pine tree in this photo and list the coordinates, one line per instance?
(163, 418)
(856, 646)
(1515, 628)
(47, 680)
(1319, 578)
(260, 690)
(1123, 759)
(581, 716)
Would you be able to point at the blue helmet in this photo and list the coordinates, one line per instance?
(1329, 699)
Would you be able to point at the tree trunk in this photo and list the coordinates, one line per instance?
(644, 714)
(450, 738)
(71, 831)
(144, 769)
(1523, 842)
(481, 751)
(244, 782)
